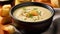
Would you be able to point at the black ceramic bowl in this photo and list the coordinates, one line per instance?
(28, 27)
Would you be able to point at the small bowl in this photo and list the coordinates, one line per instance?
(32, 27)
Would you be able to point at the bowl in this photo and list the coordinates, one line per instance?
(32, 27)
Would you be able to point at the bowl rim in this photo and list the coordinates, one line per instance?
(28, 5)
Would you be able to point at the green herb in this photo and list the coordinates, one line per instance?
(40, 13)
(37, 11)
(30, 15)
(24, 9)
(35, 8)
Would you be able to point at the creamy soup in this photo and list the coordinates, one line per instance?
(32, 13)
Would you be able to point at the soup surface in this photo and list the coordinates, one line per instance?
(32, 13)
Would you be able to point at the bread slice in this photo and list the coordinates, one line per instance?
(21, 1)
(8, 28)
(55, 3)
(16, 2)
(32, 0)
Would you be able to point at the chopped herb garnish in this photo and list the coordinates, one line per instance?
(24, 9)
(35, 8)
(37, 11)
(40, 13)
(30, 15)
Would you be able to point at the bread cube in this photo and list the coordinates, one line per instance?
(5, 10)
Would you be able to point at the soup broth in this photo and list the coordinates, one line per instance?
(32, 13)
